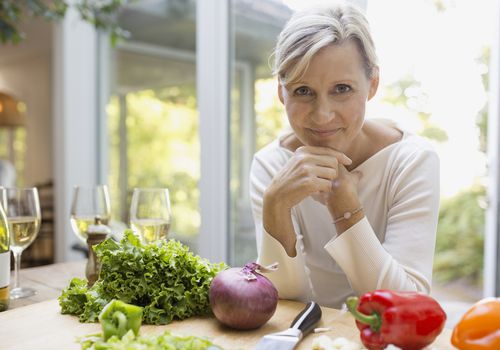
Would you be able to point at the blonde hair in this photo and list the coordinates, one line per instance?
(310, 30)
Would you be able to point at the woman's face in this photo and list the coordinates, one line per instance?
(327, 106)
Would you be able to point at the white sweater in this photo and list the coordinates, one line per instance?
(391, 248)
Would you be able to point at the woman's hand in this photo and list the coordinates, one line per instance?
(345, 184)
(343, 198)
(310, 170)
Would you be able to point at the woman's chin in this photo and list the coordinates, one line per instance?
(333, 144)
(324, 140)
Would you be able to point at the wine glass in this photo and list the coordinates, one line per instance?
(89, 203)
(22, 208)
(150, 214)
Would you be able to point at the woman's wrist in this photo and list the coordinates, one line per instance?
(347, 215)
(277, 221)
(346, 223)
(345, 212)
(338, 206)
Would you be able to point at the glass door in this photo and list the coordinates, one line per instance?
(152, 117)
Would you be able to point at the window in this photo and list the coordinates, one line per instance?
(256, 113)
(434, 82)
(152, 116)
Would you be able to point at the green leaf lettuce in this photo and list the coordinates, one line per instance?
(164, 277)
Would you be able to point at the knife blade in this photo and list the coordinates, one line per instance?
(301, 326)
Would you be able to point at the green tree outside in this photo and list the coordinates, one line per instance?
(162, 151)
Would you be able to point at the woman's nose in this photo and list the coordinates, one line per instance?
(323, 112)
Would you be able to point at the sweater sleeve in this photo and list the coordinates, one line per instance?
(290, 279)
(403, 261)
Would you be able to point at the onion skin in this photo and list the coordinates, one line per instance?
(240, 303)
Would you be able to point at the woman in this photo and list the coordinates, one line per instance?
(344, 205)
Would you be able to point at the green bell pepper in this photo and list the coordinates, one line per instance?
(118, 317)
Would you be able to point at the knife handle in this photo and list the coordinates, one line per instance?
(307, 319)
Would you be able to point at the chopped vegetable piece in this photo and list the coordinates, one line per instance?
(117, 318)
(164, 341)
(324, 342)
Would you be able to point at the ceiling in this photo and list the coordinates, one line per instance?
(38, 41)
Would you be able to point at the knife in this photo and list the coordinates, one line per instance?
(301, 326)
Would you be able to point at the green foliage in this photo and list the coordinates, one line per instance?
(460, 237)
(394, 94)
(408, 93)
(12, 12)
(162, 151)
(431, 131)
(482, 124)
(162, 146)
(270, 114)
(101, 14)
(482, 117)
(164, 277)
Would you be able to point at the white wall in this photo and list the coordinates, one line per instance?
(29, 79)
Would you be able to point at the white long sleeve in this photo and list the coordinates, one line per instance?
(392, 247)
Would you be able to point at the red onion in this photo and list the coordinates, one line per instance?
(241, 298)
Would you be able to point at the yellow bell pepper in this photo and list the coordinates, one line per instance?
(479, 327)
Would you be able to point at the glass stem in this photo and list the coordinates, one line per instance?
(17, 268)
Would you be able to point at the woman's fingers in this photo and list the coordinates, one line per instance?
(323, 155)
(310, 170)
(318, 185)
(326, 173)
(346, 179)
(318, 160)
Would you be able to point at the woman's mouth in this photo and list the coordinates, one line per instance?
(325, 132)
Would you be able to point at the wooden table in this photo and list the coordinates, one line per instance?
(47, 280)
(39, 325)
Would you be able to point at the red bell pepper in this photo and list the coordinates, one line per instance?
(409, 320)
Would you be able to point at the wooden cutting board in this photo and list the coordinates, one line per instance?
(41, 326)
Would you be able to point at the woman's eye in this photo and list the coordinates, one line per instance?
(342, 88)
(302, 91)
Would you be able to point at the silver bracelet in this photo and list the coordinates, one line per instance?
(347, 215)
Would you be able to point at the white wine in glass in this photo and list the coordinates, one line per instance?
(4, 261)
(23, 231)
(88, 203)
(22, 207)
(151, 229)
(150, 214)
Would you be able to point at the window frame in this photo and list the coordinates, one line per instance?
(75, 124)
(491, 271)
(213, 76)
